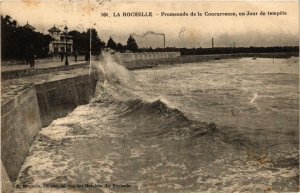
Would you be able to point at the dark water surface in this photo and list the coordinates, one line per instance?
(220, 126)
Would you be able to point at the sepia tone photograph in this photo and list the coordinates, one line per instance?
(108, 96)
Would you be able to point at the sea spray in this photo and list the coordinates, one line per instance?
(111, 71)
(120, 84)
(116, 82)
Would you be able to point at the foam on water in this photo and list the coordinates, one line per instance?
(111, 70)
(153, 129)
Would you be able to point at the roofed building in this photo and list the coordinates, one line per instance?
(58, 43)
(30, 27)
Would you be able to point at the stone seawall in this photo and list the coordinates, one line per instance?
(134, 61)
(25, 114)
(20, 122)
(58, 98)
(128, 57)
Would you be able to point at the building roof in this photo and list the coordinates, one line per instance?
(54, 29)
(29, 26)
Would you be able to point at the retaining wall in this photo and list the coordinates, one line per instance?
(58, 98)
(20, 122)
(128, 57)
(24, 115)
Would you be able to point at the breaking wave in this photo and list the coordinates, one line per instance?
(120, 89)
(139, 107)
(120, 86)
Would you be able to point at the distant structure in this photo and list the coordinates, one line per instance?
(164, 40)
(212, 42)
(29, 27)
(58, 43)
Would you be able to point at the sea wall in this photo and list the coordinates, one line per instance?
(25, 114)
(58, 98)
(132, 62)
(20, 122)
(6, 186)
(145, 59)
(128, 57)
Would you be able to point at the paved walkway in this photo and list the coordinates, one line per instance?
(42, 63)
(12, 87)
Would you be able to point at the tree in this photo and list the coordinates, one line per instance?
(111, 44)
(81, 41)
(131, 44)
(121, 48)
(16, 39)
(97, 44)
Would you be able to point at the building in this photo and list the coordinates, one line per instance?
(29, 27)
(58, 43)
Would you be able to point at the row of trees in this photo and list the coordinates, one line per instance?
(131, 45)
(82, 42)
(16, 40)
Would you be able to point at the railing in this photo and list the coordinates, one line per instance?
(62, 42)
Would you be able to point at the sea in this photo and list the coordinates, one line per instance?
(227, 126)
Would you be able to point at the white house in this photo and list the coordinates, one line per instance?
(58, 43)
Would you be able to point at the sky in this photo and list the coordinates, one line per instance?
(186, 31)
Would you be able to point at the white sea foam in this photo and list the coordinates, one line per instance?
(126, 136)
(254, 98)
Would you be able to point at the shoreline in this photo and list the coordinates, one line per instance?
(142, 64)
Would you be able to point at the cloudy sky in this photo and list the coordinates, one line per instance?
(188, 31)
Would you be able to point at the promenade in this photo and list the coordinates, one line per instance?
(17, 78)
(32, 98)
(39, 63)
(42, 66)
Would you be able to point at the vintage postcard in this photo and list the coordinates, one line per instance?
(149, 96)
